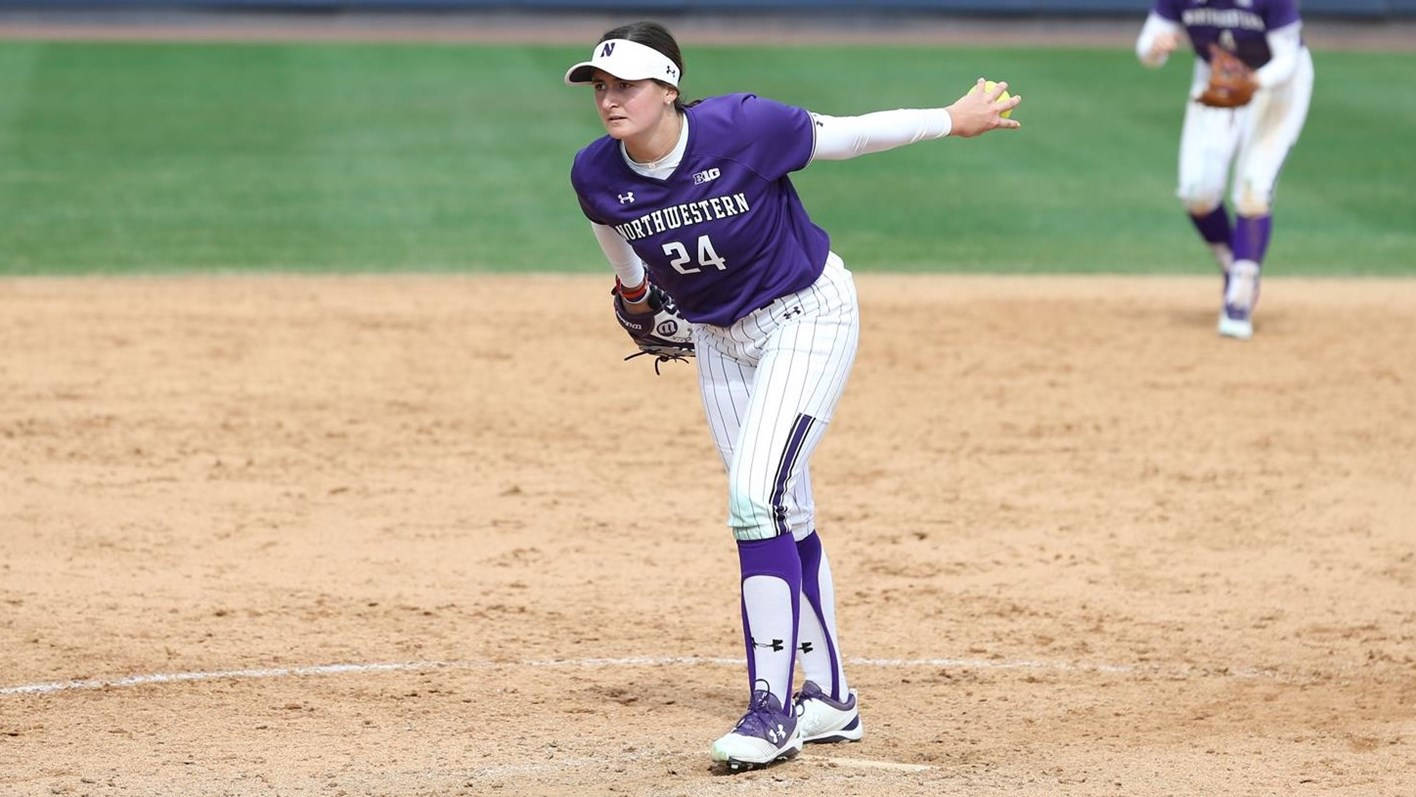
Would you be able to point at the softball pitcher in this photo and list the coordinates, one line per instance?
(1253, 78)
(714, 255)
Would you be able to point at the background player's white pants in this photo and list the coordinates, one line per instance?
(1261, 132)
(770, 384)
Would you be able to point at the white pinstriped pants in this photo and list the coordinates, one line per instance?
(770, 384)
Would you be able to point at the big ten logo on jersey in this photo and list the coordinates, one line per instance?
(706, 176)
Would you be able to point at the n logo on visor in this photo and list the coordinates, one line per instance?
(607, 49)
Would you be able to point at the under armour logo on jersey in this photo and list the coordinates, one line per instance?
(776, 645)
(626, 198)
(706, 176)
(794, 310)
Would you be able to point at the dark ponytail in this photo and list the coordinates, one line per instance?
(652, 34)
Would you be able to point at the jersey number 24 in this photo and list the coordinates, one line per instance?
(707, 256)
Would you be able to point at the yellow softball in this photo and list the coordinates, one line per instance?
(989, 85)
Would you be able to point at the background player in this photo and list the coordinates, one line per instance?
(698, 197)
(1267, 36)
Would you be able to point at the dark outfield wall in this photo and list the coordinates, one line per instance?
(1312, 8)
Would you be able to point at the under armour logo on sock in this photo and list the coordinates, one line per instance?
(805, 647)
(776, 645)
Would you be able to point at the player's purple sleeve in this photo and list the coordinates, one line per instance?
(777, 138)
(1280, 13)
(588, 211)
(577, 180)
(1168, 9)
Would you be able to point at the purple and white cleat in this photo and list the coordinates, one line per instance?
(764, 735)
(825, 720)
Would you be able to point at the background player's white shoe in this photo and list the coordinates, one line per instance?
(822, 719)
(1234, 322)
(764, 735)
(1240, 293)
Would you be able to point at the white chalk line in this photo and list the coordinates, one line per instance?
(630, 661)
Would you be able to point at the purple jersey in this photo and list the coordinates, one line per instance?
(1240, 26)
(725, 233)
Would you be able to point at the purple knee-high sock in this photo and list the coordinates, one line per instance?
(1214, 226)
(818, 620)
(1251, 237)
(771, 605)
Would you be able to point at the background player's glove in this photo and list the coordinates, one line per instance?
(661, 331)
(1231, 82)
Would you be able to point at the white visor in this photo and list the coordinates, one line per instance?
(625, 60)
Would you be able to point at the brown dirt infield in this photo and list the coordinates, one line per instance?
(1083, 545)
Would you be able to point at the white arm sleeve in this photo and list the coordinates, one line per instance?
(1284, 44)
(628, 267)
(840, 138)
(1155, 25)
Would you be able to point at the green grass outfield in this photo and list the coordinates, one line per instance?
(160, 157)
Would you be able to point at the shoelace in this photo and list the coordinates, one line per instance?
(659, 357)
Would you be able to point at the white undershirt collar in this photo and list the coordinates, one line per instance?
(664, 166)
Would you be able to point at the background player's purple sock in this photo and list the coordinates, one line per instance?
(816, 635)
(1251, 237)
(771, 605)
(1214, 226)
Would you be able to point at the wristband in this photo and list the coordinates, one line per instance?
(635, 294)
